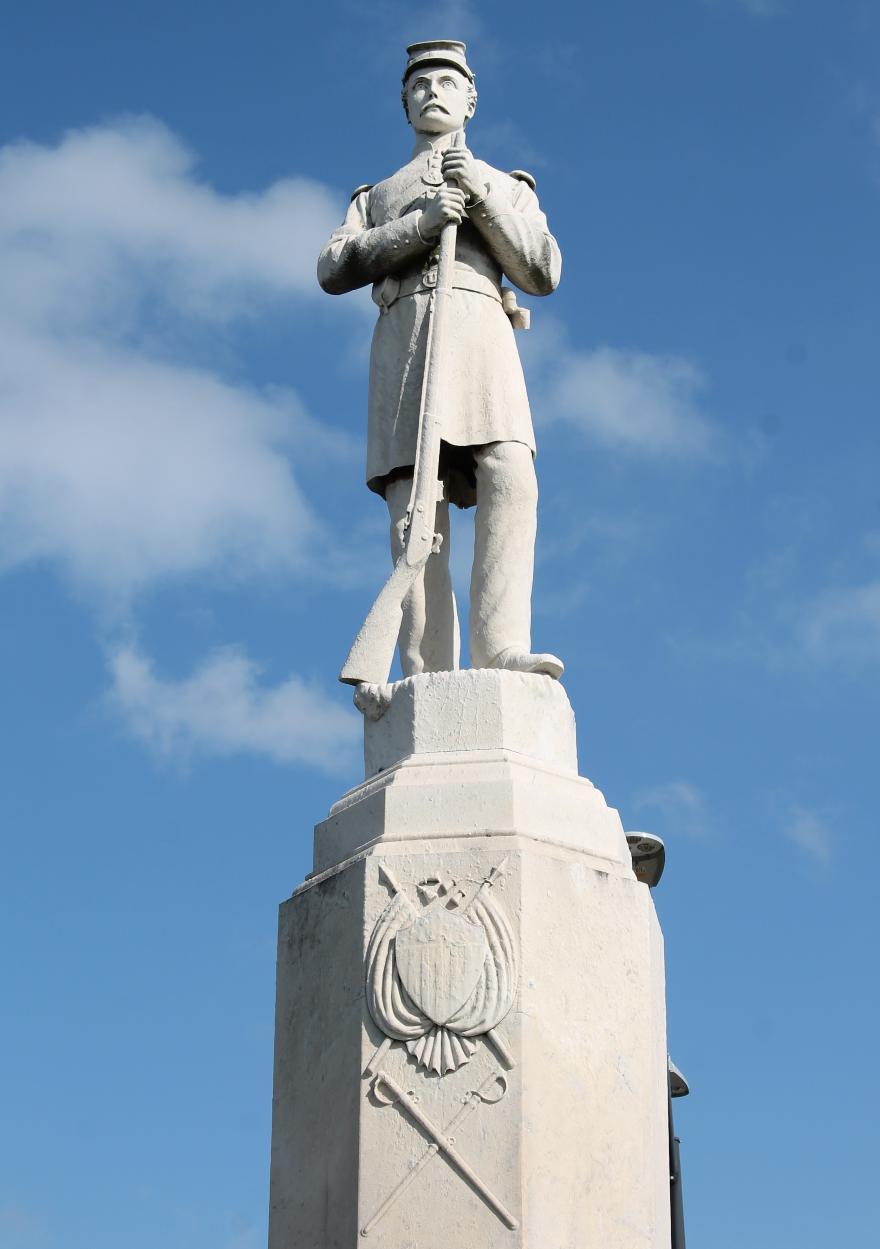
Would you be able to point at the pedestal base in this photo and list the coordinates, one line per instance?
(470, 1045)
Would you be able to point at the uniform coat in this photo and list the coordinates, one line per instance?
(504, 235)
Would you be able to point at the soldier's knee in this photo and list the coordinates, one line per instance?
(508, 466)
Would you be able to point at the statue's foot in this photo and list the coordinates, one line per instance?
(372, 700)
(513, 660)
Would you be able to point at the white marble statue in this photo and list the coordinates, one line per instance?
(391, 238)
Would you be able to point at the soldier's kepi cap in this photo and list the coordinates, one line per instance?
(437, 52)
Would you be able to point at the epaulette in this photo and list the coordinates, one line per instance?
(523, 177)
(368, 186)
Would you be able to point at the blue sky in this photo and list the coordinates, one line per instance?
(187, 547)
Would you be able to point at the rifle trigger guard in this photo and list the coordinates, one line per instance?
(437, 543)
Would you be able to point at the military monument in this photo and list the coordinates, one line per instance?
(470, 1025)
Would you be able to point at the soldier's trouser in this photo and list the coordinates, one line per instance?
(501, 578)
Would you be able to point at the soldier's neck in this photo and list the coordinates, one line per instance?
(432, 143)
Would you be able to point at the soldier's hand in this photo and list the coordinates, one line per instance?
(460, 167)
(447, 205)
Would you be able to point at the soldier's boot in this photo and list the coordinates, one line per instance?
(524, 661)
(504, 555)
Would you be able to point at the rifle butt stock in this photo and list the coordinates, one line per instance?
(372, 651)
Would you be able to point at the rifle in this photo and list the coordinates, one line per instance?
(372, 651)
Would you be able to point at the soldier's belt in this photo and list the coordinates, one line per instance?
(388, 292)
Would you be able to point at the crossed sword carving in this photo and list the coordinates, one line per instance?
(389, 1093)
(442, 1141)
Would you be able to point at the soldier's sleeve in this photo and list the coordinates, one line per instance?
(514, 229)
(359, 252)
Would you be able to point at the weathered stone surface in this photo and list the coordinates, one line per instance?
(474, 938)
(474, 709)
(463, 793)
(574, 1150)
(436, 239)
(473, 752)
(470, 1042)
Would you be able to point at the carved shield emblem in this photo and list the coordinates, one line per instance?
(440, 959)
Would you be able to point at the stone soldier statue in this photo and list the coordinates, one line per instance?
(389, 238)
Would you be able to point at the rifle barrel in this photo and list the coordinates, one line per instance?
(372, 651)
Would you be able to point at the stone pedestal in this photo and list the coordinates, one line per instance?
(470, 1035)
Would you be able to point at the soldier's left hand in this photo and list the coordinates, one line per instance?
(460, 167)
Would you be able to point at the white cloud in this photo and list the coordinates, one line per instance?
(121, 459)
(125, 469)
(843, 623)
(506, 143)
(246, 1239)
(811, 835)
(222, 709)
(243, 1234)
(765, 8)
(757, 8)
(126, 456)
(406, 21)
(21, 1228)
(678, 804)
(626, 399)
(457, 16)
(116, 211)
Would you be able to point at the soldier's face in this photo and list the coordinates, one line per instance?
(437, 100)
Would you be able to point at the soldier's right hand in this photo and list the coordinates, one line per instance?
(447, 205)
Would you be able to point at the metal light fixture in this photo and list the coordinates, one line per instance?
(648, 856)
(678, 1087)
